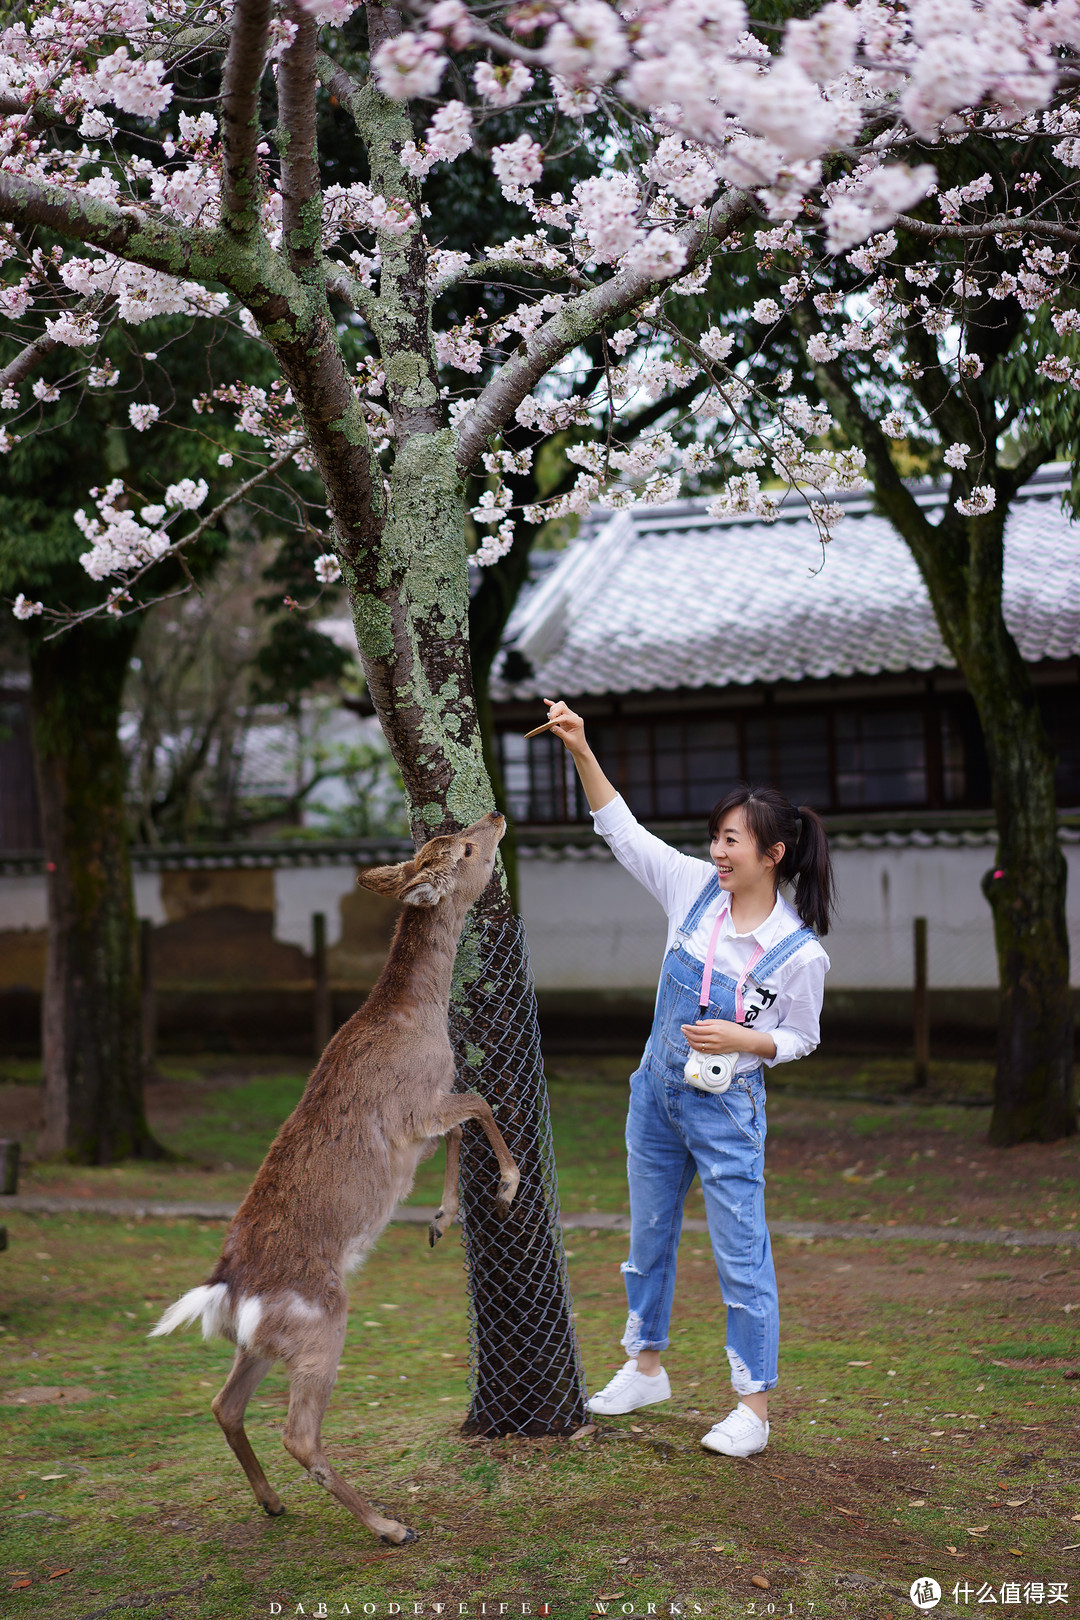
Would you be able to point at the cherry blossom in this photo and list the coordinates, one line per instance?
(709, 132)
(327, 569)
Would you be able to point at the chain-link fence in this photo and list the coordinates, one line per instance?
(527, 1374)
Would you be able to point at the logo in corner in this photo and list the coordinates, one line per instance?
(925, 1592)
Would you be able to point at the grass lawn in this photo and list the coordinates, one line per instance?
(924, 1424)
(830, 1157)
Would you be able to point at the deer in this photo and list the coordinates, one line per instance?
(378, 1100)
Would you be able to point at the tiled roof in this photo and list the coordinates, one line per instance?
(660, 598)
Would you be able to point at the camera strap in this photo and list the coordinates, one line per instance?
(706, 977)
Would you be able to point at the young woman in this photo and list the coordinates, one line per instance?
(743, 976)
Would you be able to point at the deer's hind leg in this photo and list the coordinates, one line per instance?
(312, 1371)
(446, 1211)
(228, 1406)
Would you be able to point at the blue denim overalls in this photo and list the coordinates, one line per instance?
(675, 1130)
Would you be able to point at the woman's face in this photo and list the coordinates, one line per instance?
(738, 864)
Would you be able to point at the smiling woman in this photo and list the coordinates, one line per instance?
(741, 986)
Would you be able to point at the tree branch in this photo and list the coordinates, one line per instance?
(515, 380)
(301, 188)
(1012, 479)
(341, 85)
(340, 284)
(487, 269)
(29, 358)
(1001, 225)
(245, 63)
(128, 232)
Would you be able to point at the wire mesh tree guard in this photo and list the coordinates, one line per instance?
(527, 1376)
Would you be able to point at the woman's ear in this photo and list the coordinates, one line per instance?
(776, 854)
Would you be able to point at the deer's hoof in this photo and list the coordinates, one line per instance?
(507, 1189)
(273, 1510)
(435, 1231)
(399, 1537)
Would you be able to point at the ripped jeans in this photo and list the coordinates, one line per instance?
(674, 1131)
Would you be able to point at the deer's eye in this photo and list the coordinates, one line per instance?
(468, 850)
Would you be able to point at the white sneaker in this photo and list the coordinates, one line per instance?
(741, 1434)
(628, 1390)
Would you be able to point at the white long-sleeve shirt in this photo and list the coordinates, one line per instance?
(788, 1005)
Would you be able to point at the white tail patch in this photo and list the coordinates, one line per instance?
(247, 1321)
(208, 1301)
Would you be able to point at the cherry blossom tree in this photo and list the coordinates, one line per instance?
(693, 130)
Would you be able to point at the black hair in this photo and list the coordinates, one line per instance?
(806, 862)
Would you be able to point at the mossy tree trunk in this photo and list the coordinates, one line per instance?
(92, 1062)
(961, 559)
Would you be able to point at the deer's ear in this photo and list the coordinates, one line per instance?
(387, 879)
(431, 886)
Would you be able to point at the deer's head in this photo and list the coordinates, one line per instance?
(457, 864)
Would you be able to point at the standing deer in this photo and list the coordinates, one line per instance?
(380, 1094)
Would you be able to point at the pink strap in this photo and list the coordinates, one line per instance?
(706, 977)
(755, 958)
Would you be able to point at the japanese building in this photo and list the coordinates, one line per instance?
(703, 652)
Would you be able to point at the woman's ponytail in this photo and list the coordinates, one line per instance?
(806, 864)
(812, 871)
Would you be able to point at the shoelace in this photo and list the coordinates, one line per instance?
(620, 1380)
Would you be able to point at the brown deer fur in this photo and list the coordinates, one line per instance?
(379, 1097)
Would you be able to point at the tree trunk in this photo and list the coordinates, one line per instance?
(412, 629)
(961, 560)
(92, 1063)
(489, 610)
(1034, 1099)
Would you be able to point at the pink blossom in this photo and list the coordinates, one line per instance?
(956, 455)
(874, 202)
(982, 499)
(451, 19)
(607, 210)
(685, 173)
(657, 255)
(824, 45)
(327, 569)
(517, 164)
(408, 66)
(142, 417)
(502, 86)
(334, 12)
(587, 45)
(25, 609)
(134, 86)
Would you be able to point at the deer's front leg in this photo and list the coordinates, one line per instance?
(449, 1206)
(470, 1105)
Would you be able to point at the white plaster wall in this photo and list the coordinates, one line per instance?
(301, 890)
(148, 898)
(590, 925)
(22, 902)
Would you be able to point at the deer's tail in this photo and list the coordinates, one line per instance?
(210, 1302)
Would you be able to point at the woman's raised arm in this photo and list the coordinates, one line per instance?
(570, 730)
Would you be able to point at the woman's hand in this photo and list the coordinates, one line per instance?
(570, 730)
(568, 726)
(714, 1036)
